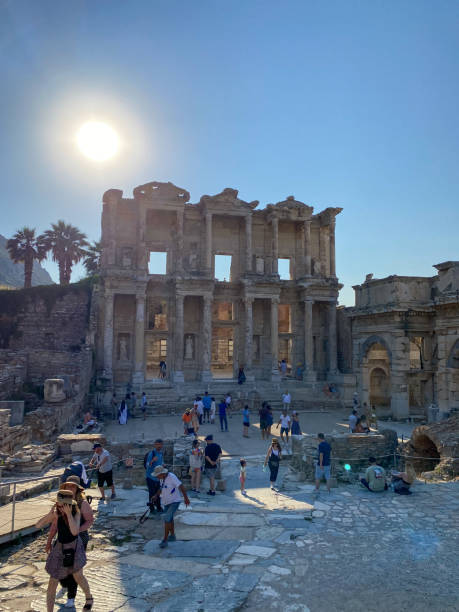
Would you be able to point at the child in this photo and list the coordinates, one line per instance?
(242, 476)
(245, 421)
(195, 466)
(213, 409)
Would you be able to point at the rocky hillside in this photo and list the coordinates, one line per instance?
(12, 275)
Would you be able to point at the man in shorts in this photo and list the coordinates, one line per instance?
(172, 491)
(212, 455)
(102, 460)
(284, 423)
(323, 462)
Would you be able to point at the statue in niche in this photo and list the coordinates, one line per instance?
(189, 347)
(126, 257)
(316, 267)
(123, 349)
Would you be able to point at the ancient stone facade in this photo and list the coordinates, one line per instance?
(201, 327)
(405, 342)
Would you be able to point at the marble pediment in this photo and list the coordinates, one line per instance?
(226, 201)
(156, 191)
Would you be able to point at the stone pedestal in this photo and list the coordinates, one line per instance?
(54, 390)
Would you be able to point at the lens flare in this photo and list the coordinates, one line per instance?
(97, 140)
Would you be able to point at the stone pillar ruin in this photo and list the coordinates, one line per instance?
(275, 338)
(248, 357)
(179, 258)
(108, 335)
(400, 404)
(207, 338)
(307, 247)
(308, 341)
(332, 359)
(332, 247)
(324, 250)
(179, 333)
(209, 241)
(139, 373)
(248, 243)
(275, 226)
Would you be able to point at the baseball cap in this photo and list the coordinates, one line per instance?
(209, 437)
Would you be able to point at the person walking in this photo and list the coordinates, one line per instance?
(143, 405)
(245, 421)
(263, 414)
(212, 454)
(207, 404)
(103, 462)
(283, 368)
(67, 556)
(73, 484)
(228, 399)
(286, 400)
(196, 457)
(272, 460)
(172, 491)
(187, 424)
(195, 420)
(241, 376)
(323, 466)
(200, 409)
(242, 475)
(284, 423)
(213, 410)
(295, 429)
(123, 413)
(151, 461)
(222, 406)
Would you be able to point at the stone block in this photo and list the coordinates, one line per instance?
(54, 390)
(16, 411)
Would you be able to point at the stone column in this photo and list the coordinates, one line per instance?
(324, 250)
(178, 353)
(308, 341)
(332, 356)
(248, 357)
(332, 247)
(307, 247)
(275, 226)
(400, 365)
(207, 338)
(209, 241)
(108, 335)
(275, 338)
(139, 372)
(248, 243)
(179, 252)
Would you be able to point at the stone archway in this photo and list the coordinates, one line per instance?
(376, 374)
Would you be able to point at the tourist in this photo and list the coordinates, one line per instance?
(361, 425)
(152, 460)
(245, 421)
(222, 407)
(242, 476)
(269, 420)
(143, 405)
(283, 367)
(123, 413)
(114, 406)
(299, 371)
(207, 404)
(67, 556)
(355, 400)
(241, 377)
(323, 462)
(76, 468)
(162, 369)
(172, 491)
(102, 460)
(196, 457)
(295, 429)
(212, 454)
(352, 420)
(284, 423)
(402, 481)
(187, 424)
(272, 460)
(73, 484)
(375, 477)
(213, 410)
(195, 420)
(228, 399)
(263, 413)
(89, 421)
(286, 400)
(200, 409)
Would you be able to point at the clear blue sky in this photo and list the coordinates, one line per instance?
(351, 104)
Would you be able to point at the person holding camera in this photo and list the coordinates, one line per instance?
(67, 556)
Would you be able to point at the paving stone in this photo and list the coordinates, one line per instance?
(280, 571)
(192, 568)
(224, 593)
(268, 533)
(220, 519)
(256, 551)
(9, 582)
(209, 549)
(290, 523)
(242, 559)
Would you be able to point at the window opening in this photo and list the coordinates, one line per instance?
(223, 267)
(157, 263)
(283, 266)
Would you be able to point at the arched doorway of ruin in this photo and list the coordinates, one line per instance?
(376, 375)
(379, 388)
(425, 452)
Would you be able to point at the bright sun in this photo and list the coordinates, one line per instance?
(97, 140)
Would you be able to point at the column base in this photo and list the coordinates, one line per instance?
(206, 376)
(178, 377)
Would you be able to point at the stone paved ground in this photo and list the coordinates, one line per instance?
(354, 551)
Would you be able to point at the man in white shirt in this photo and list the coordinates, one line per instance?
(172, 491)
(284, 423)
(286, 400)
(102, 460)
(352, 421)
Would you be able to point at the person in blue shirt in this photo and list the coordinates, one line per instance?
(207, 403)
(323, 462)
(152, 460)
(245, 422)
(222, 415)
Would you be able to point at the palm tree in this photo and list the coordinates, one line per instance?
(67, 245)
(92, 259)
(24, 247)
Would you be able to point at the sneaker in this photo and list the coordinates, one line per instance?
(61, 592)
(70, 603)
(212, 492)
(113, 496)
(209, 492)
(163, 544)
(172, 538)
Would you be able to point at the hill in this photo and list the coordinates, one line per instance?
(12, 275)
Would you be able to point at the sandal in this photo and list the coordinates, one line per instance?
(89, 603)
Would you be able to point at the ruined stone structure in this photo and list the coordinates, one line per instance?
(405, 342)
(203, 328)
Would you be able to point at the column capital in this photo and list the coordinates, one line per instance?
(309, 299)
(248, 299)
(275, 299)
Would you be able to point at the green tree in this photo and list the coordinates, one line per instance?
(67, 245)
(92, 258)
(24, 247)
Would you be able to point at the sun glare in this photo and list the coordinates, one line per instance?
(97, 140)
